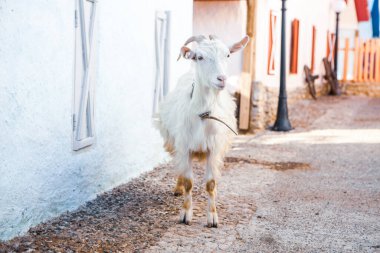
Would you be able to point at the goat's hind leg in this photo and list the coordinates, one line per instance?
(186, 176)
(179, 188)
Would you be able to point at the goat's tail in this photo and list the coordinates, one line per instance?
(168, 142)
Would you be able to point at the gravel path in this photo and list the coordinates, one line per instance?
(314, 189)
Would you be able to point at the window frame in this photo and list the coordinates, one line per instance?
(83, 90)
(271, 68)
(162, 55)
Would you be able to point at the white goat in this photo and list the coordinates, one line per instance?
(189, 119)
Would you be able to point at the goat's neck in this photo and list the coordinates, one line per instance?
(204, 98)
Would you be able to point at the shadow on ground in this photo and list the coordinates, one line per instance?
(134, 216)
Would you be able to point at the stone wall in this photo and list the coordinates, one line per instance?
(264, 102)
(362, 89)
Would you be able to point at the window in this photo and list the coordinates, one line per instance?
(294, 47)
(83, 102)
(272, 43)
(161, 88)
(313, 38)
(330, 46)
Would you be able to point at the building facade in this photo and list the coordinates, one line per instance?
(80, 88)
(41, 174)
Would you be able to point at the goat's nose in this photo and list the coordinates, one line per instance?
(221, 78)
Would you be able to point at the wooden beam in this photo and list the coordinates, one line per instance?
(372, 60)
(294, 47)
(346, 58)
(313, 38)
(356, 59)
(248, 74)
(377, 64)
(360, 63)
(366, 60)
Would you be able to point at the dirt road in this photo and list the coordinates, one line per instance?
(314, 189)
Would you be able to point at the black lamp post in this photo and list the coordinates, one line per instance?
(336, 45)
(338, 6)
(282, 121)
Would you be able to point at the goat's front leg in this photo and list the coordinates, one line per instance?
(212, 169)
(186, 178)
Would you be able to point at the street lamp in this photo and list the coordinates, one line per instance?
(338, 6)
(282, 121)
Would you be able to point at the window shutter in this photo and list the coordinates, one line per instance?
(83, 108)
(272, 43)
(161, 88)
(294, 47)
(313, 40)
(330, 47)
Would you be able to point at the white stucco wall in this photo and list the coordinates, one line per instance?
(309, 13)
(41, 176)
(227, 19)
(348, 18)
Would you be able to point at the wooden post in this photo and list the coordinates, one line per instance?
(377, 72)
(372, 61)
(360, 62)
(248, 74)
(346, 58)
(294, 47)
(356, 60)
(314, 35)
(366, 60)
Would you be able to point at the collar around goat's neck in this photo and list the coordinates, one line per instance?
(207, 114)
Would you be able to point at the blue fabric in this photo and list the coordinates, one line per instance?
(375, 19)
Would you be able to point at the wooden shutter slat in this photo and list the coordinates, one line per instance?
(366, 60)
(377, 64)
(346, 58)
(294, 47)
(272, 44)
(161, 87)
(87, 45)
(314, 35)
(356, 59)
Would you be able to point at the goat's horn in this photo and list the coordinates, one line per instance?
(212, 37)
(195, 38)
(191, 39)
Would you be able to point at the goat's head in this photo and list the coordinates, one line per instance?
(210, 58)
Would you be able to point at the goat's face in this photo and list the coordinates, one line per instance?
(210, 59)
(211, 63)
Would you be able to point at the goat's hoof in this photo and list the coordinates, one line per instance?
(178, 190)
(212, 220)
(185, 217)
(212, 225)
(178, 193)
(185, 221)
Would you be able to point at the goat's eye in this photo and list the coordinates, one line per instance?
(228, 56)
(200, 58)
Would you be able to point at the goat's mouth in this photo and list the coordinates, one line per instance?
(220, 86)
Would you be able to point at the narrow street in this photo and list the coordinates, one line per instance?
(314, 189)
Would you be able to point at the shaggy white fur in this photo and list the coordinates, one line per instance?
(185, 133)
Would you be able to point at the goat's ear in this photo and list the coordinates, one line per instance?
(239, 45)
(186, 53)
